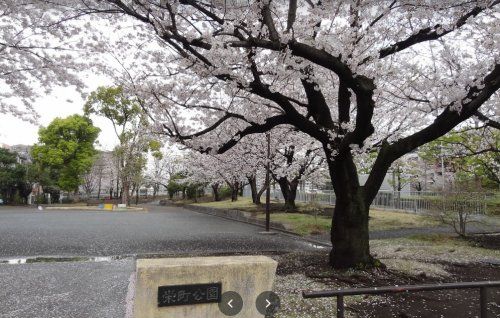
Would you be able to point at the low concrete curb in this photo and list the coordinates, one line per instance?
(234, 215)
(246, 217)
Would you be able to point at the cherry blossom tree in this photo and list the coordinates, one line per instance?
(158, 173)
(355, 76)
(218, 170)
(296, 158)
(35, 55)
(293, 158)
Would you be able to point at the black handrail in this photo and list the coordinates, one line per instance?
(340, 293)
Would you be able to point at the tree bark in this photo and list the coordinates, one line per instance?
(125, 195)
(235, 186)
(289, 191)
(350, 236)
(215, 190)
(99, 188)
(349, 233)
(259, 195)
(118, 191)
(252, 181)
(256, 193)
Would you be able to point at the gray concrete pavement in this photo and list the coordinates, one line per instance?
(163, 230)
(65, 290)
(99, 289)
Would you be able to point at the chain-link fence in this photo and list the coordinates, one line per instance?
(416, 202)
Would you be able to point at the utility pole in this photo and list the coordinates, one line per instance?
(268, 182)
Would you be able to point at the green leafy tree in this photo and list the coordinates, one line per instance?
(132, 130)
(472, 154)
(66, 150)
(12, 178)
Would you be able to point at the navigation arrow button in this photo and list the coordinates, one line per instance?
(231, 303)
(268, 303)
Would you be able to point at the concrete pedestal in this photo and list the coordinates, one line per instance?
(247, 275)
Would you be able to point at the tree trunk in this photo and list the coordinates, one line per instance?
(252, 181)
(215, 190)
(289, 191)
(235, 186)
(349, 233)
(259, 195)
(125, 193)
(350, 236)
(292, 194)
(118, 191)
(99, 187)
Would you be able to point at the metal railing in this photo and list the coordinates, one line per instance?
(340, 293)
(415, 202)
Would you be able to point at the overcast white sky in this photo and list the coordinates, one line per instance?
(14, 131)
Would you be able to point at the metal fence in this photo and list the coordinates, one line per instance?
(340, 293)
(416, 202)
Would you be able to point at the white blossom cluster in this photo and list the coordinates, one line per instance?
(210, 73)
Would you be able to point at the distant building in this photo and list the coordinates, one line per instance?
(23, 152)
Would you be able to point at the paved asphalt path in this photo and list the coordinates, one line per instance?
(99, 289)
(162, 230)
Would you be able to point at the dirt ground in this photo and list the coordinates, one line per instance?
(446, 303)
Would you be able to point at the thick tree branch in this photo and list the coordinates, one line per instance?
(344, 105)
(196, 4)
(294, 117)
(364, 114)
(444, 123)
(487, 121)
(269, 124)
(432, 33)
(312, 54)
(268, 21)
(175, 134)
(292, 12)
(317, 106)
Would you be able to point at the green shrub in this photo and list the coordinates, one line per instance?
(225, 192)
(68, 200)
(41, 199)
(194, 191)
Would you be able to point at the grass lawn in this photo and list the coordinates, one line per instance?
(243, 204)
(305, 224)
(432, 248)
(493, 205)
